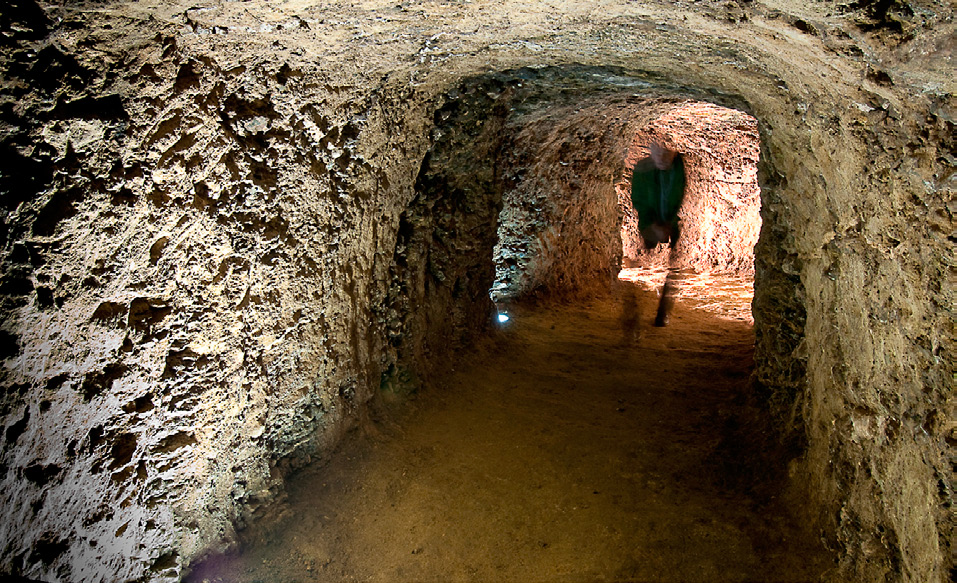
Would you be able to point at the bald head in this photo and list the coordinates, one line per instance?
(661, 156)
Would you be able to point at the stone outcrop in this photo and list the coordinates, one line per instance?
(226, 224)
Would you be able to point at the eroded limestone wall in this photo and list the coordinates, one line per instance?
(202, 203)
(558, 232)
(442, 268)
(876, 337)
(189, 276)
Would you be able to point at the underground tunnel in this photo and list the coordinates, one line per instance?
(247, 247)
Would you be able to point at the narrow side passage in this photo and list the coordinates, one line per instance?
(561, 450)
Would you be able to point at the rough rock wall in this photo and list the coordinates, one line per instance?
(877, 337)
(201, 204)
(559, 227)
(190, 260)
(442, 267)
(858, 225)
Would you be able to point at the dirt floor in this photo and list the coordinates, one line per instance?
(578, 444)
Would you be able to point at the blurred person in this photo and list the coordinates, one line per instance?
(657, 191)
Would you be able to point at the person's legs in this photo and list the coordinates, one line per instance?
(668, 289)
(664, 303)
(630, 315)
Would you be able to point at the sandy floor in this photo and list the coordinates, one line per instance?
(578, 444)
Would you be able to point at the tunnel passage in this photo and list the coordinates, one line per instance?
(556, 233)
(201, 209)
(524, 194)
(554, 452)
(530, 161)
(567, 219)
(712, 262)
(522, 178)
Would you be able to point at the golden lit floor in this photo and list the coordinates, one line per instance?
(578, 444)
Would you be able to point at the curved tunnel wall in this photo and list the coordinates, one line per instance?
(558, 230)
(202, 211)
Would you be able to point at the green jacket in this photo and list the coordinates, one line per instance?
(657, 194)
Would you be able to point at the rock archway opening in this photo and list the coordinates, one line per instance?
(521, 204)
(712, 261)
(568, 226)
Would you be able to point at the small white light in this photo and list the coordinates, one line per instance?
(502, 318)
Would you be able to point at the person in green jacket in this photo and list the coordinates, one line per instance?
(657, 191)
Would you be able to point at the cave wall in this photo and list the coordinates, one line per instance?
(438, 296)
(189, 282)
(878, 409)
(559, 228)
(202, 204)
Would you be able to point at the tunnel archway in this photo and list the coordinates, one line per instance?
(553, 249)
(517, 153)
(721, 212)
(534, 163)
(570, 160)
(713, 261)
